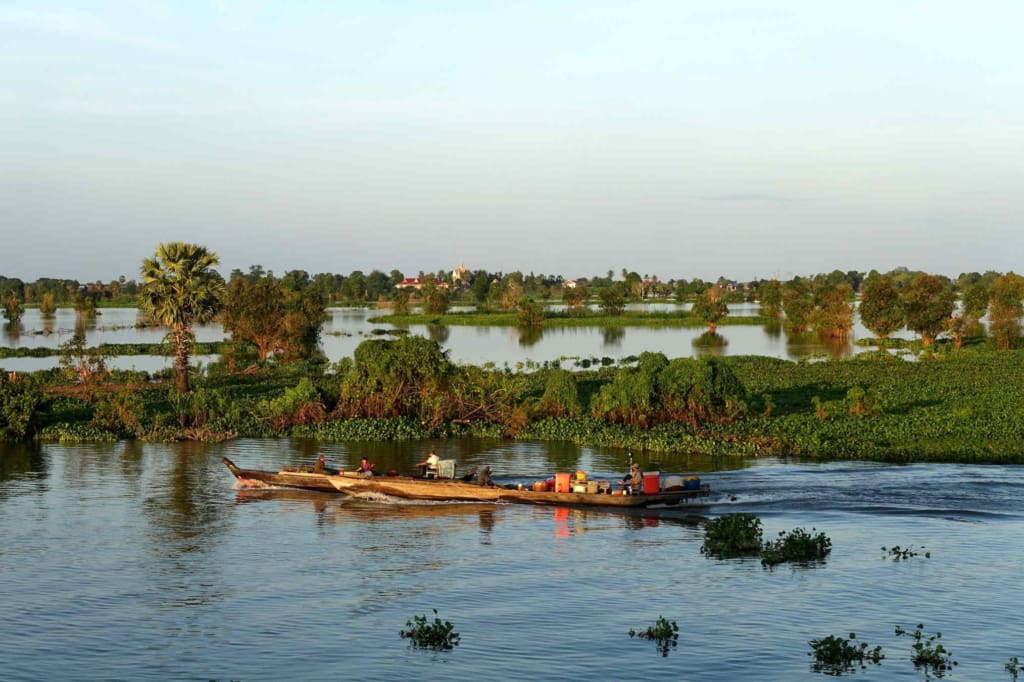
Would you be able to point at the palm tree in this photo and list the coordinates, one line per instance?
(180, 289)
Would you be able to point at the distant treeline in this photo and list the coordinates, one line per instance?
(480, 287)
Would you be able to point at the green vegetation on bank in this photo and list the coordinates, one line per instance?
(962, 405)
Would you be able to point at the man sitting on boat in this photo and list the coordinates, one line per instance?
(365, 467)
(428, 467)
(633, 481)
(320, 467)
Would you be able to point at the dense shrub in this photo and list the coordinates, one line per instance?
(22, 407)
(732, 535)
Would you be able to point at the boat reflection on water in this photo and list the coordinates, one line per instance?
(566, 521)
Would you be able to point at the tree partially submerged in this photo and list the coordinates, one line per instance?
(798, 304)
(710, 307)
(180, 288)
(833, 312)
(1006, 309)
(279, 316)
(881, 309)
(928, 303)
(973, 304)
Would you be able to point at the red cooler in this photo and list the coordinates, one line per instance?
(563, 483)
(651, 482)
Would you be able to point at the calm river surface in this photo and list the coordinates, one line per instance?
(140, 561)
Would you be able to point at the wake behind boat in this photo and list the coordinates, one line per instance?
(407, 487)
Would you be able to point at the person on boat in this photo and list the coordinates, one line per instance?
(321, 465)
(633, 480)
(485, 478)
(429, 465)
(365, 467)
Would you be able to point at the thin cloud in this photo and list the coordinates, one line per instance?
(741, 197)
(80, 26)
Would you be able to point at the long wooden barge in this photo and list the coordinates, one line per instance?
(443, 490)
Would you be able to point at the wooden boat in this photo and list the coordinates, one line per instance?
(444, 490)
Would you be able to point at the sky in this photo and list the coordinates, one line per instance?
(673, 138)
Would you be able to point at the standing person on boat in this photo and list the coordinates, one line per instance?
(633, 480)
(365, 467)
(429, 465)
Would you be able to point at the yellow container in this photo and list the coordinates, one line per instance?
(581, 475)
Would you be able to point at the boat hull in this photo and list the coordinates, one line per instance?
(443, 490)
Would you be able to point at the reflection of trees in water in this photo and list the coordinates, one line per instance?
(562, 455)
(773, 328)
(612, 336)
(185, 511)
(438, 333)
(184, 504)
(811, 344)
(84, 323)
(12, 330)
(710, 343)
(528, 336)
(17, 459)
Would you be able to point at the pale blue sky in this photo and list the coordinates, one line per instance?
(674, 138)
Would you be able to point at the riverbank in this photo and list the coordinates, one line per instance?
(962, 406)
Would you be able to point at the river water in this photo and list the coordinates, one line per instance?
(143, 561)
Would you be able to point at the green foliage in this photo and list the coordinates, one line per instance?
(407, 376)
(628, 399)
(13, 308)
(664, 633)
(22, 408)
(796, 545)
(75, 433)
(47, 304)
(835, 655)
(798, 304)
(1013, 667)
(928, 652)
(862, 402)
(299, 404)
(928, 303)
(613, 299)
(694, 390)
(710, 307)
(833, 313)
(732, 535)
(1005, 309)
(120, 412)
(436, 634)
(898, 553)
(180, 289)
(529, 313)
(881, 309)
(561, 395)
(82, 363)
(278, 316)
(339, 430)
(435, 298)
(771, 298)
